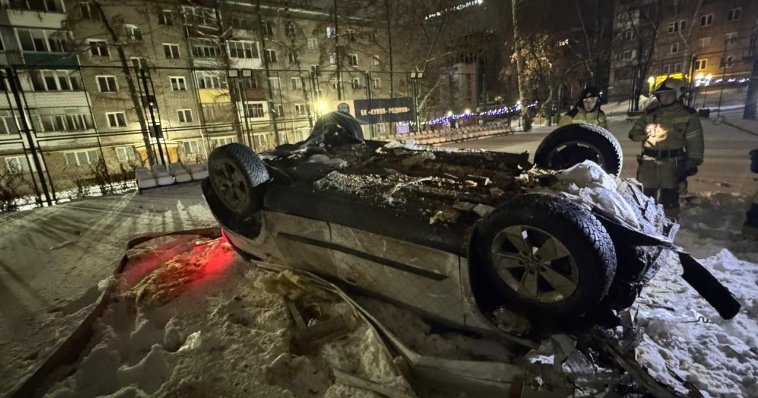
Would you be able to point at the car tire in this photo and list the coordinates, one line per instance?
(572, 144)
(236, 172)
(547, 258)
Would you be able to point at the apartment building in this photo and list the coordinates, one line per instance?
(697, 39)
(108, 84)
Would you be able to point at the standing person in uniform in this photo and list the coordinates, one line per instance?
(672, 145)
(586, 110)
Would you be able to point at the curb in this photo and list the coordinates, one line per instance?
(71, 349)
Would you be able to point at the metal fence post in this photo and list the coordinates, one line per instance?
(15, 86)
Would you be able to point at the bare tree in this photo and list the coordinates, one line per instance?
(522, 88)
(645, 23)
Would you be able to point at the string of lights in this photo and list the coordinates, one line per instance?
(468, 115)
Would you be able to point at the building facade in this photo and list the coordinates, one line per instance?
(701, 39)
(108, 85)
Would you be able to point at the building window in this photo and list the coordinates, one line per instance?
(249, 82)
(165, 18)
(292, 57)
(217, 142)
(333, 58)
(350, 34)
(55, 80)
(727, 62)
(701, 64)
(191, 147)
(52, 123)
(279, 110)
(312, 43)
(275, 83)
(289, 29)
(116, 119)
(38, 40)
(185, 115)
(199, 15)
(355, 83)
(730, 38)
(210, 80)
(296, 83)
(243, 49)
(205, 48)
(353, 59)
(706, 20)
(677, 26)
(82, 158)
(375, 60)
(666, 69)
(380, 129)
(734, 14)
(18, 164)
(268, 28)
(301, 109)
(9, 125)
(107, 84)
(330, 32)
(133, 33)
(138, 63)
(88, 11)
(126, 154)
(674, 48)
(704, 42)
(677, 67)
(270, 55)
(2, 45)
(255, 110)
(171, 50)
(178, 83)
(376, 83)
(98, 48)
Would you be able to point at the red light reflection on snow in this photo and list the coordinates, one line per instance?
(183, 260)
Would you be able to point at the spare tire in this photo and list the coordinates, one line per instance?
(548, 258)
(575, 143)
(236, 173)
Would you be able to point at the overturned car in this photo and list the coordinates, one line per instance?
(473, 239)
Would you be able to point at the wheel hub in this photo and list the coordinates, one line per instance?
(534, 263)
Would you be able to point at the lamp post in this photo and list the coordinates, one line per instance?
(415, 77)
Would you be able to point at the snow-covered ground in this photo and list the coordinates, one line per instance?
(202, 322)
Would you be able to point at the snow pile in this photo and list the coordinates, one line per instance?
(686, 341)
(589, 184)
(215, 329)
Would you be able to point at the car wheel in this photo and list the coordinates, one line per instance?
(235, 171)
(575, 143)
(548, 258)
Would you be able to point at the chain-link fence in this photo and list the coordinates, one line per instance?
(68, 132)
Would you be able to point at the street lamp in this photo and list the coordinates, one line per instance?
(650, 83)
(415, 77)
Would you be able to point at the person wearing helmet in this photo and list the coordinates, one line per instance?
(586, 110)
(672, 145)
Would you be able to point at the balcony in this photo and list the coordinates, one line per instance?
(51, 59)
(255, 94)
(57, 99)
(214, 95)
(37, 19)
